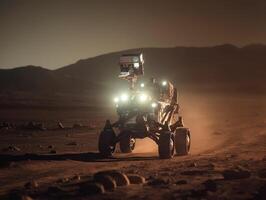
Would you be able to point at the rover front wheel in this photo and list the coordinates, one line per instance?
(106, 143)
(166, 145)
(182, 141)
(127, 143)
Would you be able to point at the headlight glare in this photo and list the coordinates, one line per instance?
(116, 99)
(124, 97)
(154, 105)
(143, 97)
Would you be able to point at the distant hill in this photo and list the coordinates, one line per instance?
(217, 66)
(225, 67)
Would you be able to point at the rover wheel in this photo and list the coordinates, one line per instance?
(106, 144)
(182, 141)
(166, 145)
(127, 143)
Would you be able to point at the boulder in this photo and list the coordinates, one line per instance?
(136, 179)
(107, 181)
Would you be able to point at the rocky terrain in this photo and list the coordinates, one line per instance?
(50, 121)
(227, 160)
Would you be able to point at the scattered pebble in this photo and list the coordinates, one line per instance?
(76, 177)
(53, 152)
(210, 185)
(193, 172)
(262, 173)
(31, 185)
(181, 182)
(237, 173)
(60, 125)
(260, 193)
(77, 125)
(64, 180)
(158, 182)
(18, 195)
(12, 148)
(55, 190)
(194, 164)
(72, 143)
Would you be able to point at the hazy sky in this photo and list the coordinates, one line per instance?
(54, 33)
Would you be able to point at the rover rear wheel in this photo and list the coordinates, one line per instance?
(182, 141)
(166, 145)
(127, 143)
(106, 144)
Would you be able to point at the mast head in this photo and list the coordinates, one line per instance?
(131, 66)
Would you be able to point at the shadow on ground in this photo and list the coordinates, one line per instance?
(84, 157)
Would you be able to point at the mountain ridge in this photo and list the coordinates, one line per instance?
(223, 66)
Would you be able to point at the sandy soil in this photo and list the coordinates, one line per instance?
(228, 132)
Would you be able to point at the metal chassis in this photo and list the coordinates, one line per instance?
(154, 133)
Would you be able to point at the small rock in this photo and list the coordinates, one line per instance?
(198, 193)
(194, 164)
(16, 148)
(31, 185)
(91, 189)
(264, 158)
(231, 156)
(25, 197)
(193, 172)
(107, 182)
(77, 125)
(60, 125)
(237, 173)
(261, 193)
(181, 182)
(217, 133)
(210, 185)
(53, 152)
(12, 148)
(76, 177)
(13, 164)
(64, 180)
(72, 143)
(55, 190)
(211, 166)
(120, 178)
(136, 179)
(158, 182)
(18, 195)
(262, 173)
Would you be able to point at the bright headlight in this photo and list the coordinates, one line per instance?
(142, 85)
(124, 97)
(164, 83)
(116, 99)
(154, 105)
(143, 97)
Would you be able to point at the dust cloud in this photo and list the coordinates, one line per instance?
(202, 118)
